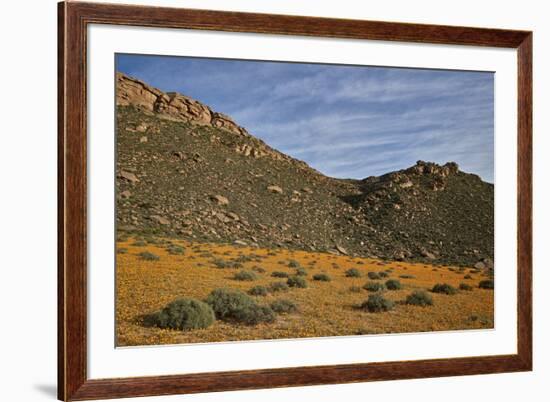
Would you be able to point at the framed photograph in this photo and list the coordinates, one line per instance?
(253, 201)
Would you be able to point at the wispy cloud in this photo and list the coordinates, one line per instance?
(345, 121)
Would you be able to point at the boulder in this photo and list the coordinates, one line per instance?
(426, 254)
(275, 189)
(132, 178)
(479, 265)
(233, 216)
(222, 217)
(141, 128)
(341, 249)
(220, 199)
(399, 255)
(160, 219)
(178, 154)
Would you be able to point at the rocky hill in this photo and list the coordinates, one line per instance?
(184, 170)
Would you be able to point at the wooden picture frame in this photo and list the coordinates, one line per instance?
(73, 382)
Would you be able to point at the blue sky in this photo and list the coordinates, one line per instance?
(345, 121)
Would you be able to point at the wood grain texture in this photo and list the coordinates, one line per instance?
(74, 18)
(296, 25)
(73, 193)
(301, 376)
(60, 201)
(525, 193)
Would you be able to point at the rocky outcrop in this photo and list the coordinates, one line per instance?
(220, 120)
(182, 107)
(434, 169)
(177, 107)
(172, 105)
(424, 174)
(130, 91)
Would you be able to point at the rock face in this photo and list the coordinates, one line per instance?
(177, 107)
(131, 91)
(201, 177)
(134, 92)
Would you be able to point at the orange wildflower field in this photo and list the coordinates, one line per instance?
(151, 274)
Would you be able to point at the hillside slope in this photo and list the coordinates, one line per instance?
(186, 171)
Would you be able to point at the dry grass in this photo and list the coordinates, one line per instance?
(324, 308)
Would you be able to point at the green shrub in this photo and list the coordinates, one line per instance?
(444, 288)
(280, 274)
(373, 275)
(393, 284)
(278, 287)
(139, 243)
(419, 298)
(227, 302)
(147, 256)
(301, 271)
(284, 306)
(219, 263)
(483, 319)
(297, 282)
(176, 250)
(183, 314)
(377, 303)
(258, 291)
(383, 274)
(121, 250)
(321, 277)
(293, 264)
(243, 258)
(245, 276)
(468, 276)
(122, 237)
(254, 314)
(206, 255)
(259, 270)
(353, 273)
(487, 284)
(464, 286)
(406, 276)
(374, 286)
(152, 240)
(355, 289)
